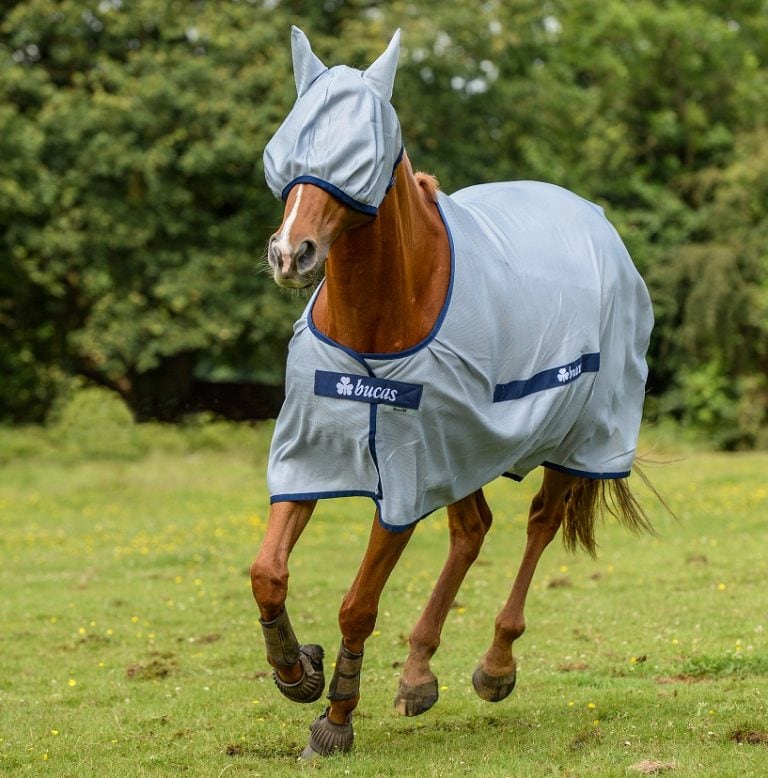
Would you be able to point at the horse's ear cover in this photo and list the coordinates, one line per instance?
(342, 133)
(380, 76)
(306, 64)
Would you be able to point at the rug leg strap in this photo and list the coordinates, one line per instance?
(345, 684)
(281, 642)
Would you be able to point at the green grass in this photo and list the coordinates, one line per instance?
(129, 642)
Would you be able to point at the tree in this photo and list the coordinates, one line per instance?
(134, 214)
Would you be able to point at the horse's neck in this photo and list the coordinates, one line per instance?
(386, 281)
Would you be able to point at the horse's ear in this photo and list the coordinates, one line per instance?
(306, 65)
(380, 76)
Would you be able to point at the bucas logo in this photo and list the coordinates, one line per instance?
(568, 373)
(344, 387)
(365, 390)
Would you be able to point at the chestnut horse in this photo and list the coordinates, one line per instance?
(563, 339)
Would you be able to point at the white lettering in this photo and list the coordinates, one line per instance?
(366, 389)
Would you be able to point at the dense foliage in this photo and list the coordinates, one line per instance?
(134, 213)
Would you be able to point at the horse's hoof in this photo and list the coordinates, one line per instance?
(415, 700)
(326, 738)
(493, 688)
(309, 687)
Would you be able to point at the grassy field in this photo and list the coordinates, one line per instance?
(129, 642)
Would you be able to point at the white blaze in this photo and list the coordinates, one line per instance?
(283, 242)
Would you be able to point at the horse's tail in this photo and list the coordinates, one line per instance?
(592, 498)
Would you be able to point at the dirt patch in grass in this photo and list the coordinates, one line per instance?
(205, 639)
(651, 767)
(754, 737)
(584, 739)
(155, 670)
(681, 678)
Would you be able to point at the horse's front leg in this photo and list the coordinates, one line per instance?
(468, 521)
(495, 675)
(298, 669)
(333, 730)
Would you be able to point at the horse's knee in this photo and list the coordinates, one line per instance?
(357, 618)
(270, 588)
(469, 523)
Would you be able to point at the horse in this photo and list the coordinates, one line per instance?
(449, 340)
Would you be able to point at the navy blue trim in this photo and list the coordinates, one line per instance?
(554, 377)
(513, 476)
(586, 473)
(361, 357)
(370, 210)
(367, 389)
(372, 419)
(397, 528)
(393, 177)
(303, 496)
(340, 194)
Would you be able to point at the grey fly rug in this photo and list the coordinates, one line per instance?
(538, 358)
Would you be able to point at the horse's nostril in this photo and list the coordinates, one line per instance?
(305, 255)
(273, 253)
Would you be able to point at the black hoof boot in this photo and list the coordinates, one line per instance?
(309, 688)
(326, 738)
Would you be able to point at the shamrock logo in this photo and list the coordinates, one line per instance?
(344, 386)
(562, 375)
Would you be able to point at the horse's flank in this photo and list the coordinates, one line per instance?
(386, 280)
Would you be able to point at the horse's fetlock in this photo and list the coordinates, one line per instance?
(423, 645)
(509, 633)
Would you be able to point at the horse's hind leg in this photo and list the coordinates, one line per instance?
(332, 732)
(468, 520)
(494, 677)
(298, 671)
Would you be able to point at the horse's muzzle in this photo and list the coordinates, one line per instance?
(293, 268)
